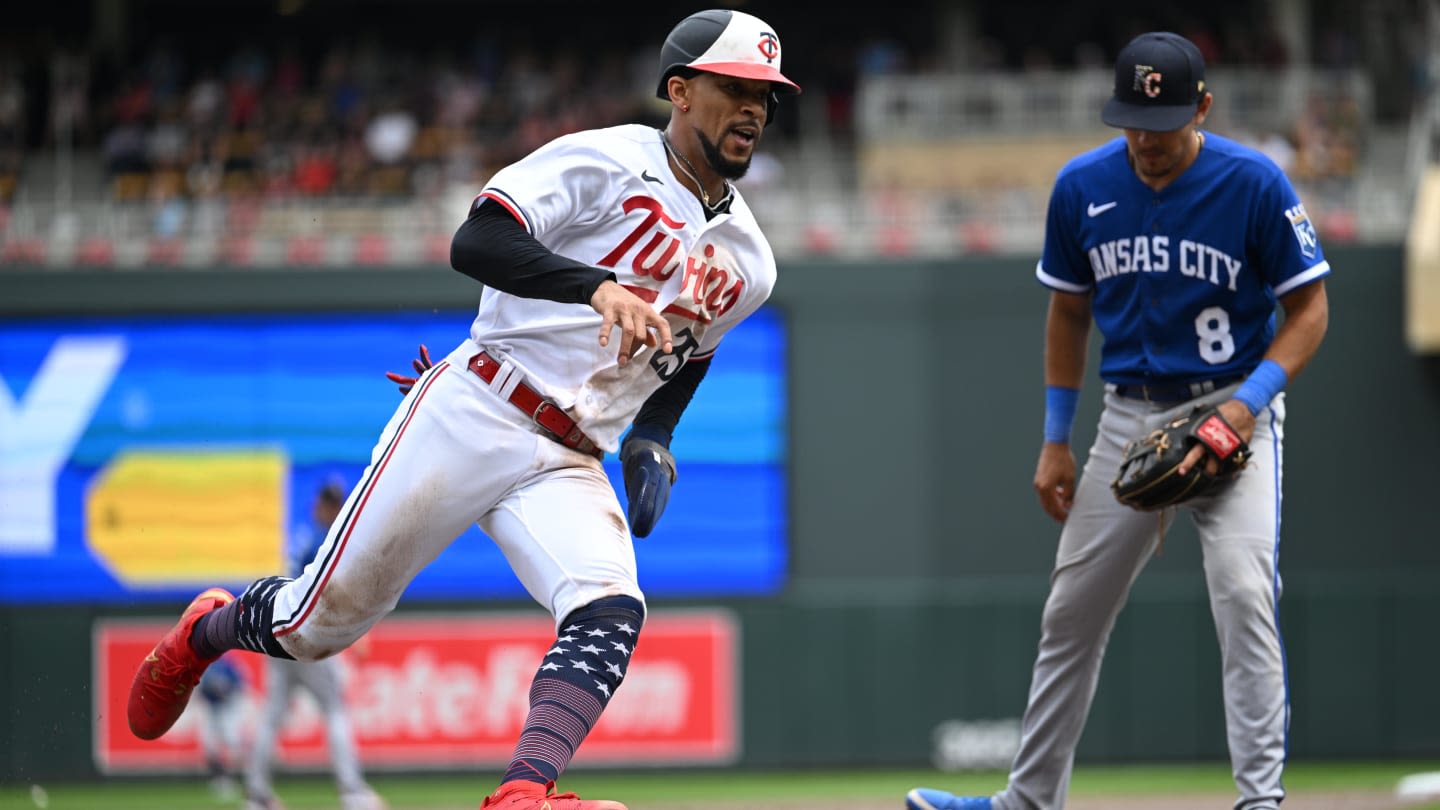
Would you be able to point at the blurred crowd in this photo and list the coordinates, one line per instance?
(358, 120)
(12, 127)
(380, 116)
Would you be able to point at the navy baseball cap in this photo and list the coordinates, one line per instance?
(333, 490)
(1159, 81)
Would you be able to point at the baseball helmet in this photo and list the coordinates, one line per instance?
(730, 43)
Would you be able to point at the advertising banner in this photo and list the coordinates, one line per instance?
(450, 691)
(143, 459)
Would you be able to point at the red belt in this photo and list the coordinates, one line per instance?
(545, 414)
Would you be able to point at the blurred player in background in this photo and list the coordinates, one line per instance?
(222, 689)
(324, 681)
(613, 263)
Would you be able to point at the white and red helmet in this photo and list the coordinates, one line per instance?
(730, 43)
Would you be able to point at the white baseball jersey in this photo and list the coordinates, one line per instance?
(455, 453)
(607, 198)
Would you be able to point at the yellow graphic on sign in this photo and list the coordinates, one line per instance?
(189, 517)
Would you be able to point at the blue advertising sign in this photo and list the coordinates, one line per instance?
(143, 458)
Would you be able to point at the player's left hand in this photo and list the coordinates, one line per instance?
(649, 471)
(1238, 415)
(421, 365)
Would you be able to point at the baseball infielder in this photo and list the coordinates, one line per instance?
(222, 693)
(325, 682)
(614, 262)
(1179, 244)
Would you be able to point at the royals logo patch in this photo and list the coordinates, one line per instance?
(1304, 229)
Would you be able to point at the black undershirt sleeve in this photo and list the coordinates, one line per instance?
(664, 407)
(493, 248)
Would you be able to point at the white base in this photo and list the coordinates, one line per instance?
(1418, 786)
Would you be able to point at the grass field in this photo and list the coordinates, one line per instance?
(1363, 786)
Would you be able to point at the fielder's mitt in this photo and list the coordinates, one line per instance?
(1148, 477)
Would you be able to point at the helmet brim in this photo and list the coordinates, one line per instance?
(751, 70)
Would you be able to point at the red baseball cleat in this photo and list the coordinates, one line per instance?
(162, 684)
(521, 795)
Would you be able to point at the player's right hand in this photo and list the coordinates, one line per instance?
(639, 324)
(1055, 480)
(421, 365)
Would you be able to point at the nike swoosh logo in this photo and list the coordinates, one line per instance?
(647, 177)
(1096, 210)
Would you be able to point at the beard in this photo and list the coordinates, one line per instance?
(726, 168)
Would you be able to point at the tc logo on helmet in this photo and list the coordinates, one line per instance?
(769, 46)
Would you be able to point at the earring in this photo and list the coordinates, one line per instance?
(684, 108)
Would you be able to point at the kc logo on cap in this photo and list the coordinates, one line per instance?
(1159, 83)
(1147, 80)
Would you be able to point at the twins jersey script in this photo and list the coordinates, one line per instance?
(1185, 279)
(607, 198)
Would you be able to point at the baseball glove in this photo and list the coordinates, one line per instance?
(1149, 477)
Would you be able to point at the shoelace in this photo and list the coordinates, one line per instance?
(185, 677)
(184, 673)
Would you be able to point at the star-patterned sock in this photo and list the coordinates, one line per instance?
(244, 624)
(579, 674)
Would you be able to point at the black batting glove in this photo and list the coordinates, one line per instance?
(649, 471)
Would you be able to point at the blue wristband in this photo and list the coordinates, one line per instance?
(1060, 405)
(1267, 380)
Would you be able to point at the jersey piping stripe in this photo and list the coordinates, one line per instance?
(509, 205)
(1301, 279)
(283, 627)
(1059, 284)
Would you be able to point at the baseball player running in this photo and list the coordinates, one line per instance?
(614, 262)
(1178, 243)
(322, 679)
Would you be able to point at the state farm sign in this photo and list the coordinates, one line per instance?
(441, 691)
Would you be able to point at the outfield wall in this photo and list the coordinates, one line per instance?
(919, 557)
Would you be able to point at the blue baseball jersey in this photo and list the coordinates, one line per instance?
(1185, 279)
